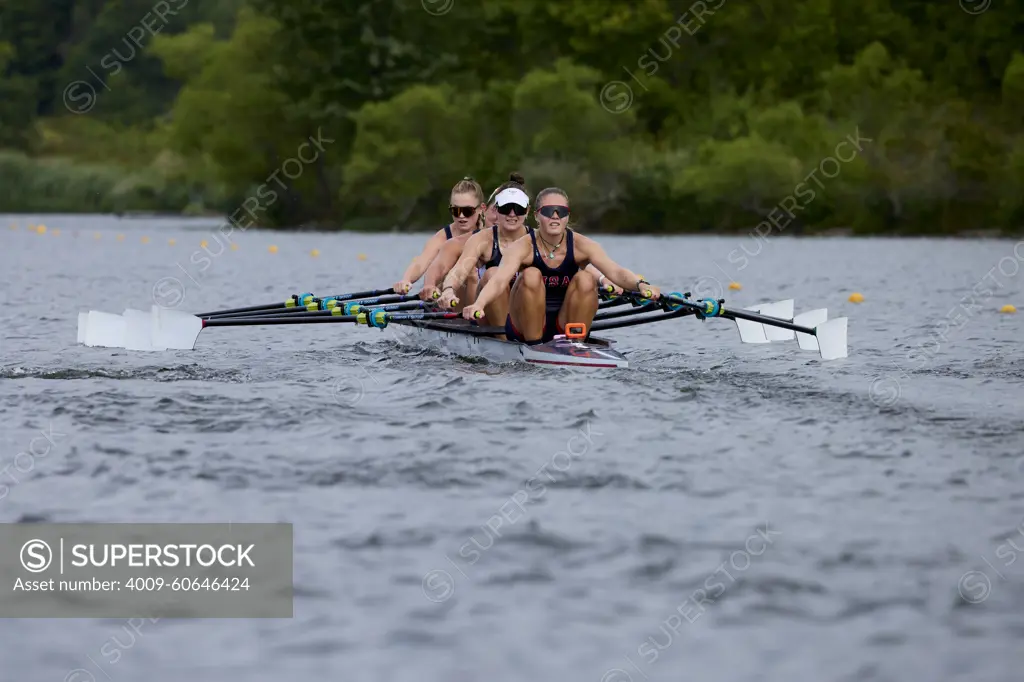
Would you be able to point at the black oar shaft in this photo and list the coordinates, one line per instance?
(270, 319)
(601, 326)
(246, 310)
(285, 306)
(744, 315)
(650, 307)
(397, 298)
(770, 321)
(315, 318)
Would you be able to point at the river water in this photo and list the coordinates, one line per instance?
(728, 512)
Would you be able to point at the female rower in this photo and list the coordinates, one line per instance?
(485, 249)
(466, 206)
(552, 288)
(449, 255)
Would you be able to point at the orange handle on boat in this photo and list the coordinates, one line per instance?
(575, 330)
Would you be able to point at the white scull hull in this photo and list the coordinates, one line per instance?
(564, 352)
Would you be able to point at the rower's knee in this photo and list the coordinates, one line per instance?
(488, 276)
(531, 279)
(584, 281)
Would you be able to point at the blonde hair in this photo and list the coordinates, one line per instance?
(551, 190)
(468, 185)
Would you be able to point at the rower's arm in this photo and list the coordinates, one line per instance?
(595, 272)
(456, 275)
(420, 263)
(515, 257)
(441, 265)
(594, 253)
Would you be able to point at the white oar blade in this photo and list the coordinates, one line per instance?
(782, 310)
(812, 318)
(104, 329)
(138, 331)
(751, 332)
(83, 325)
(832, 339)
(176, 330)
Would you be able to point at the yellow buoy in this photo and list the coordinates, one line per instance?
(41, 229)
(120, 237)
(361, 256)
(145, 240)
(171, 242)
(314, 253)
(272, 248)
(95, 235)
(234, 246)
(1007, 309)
(13, 226)
(856, 297)
(735, 286)
(202, 244)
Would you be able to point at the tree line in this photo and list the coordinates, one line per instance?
(881, 116)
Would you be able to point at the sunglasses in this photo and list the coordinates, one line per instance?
(554, 211)
(512, 208)
(462, 211)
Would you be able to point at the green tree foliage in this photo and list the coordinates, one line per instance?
(655, 115)
(231, 113)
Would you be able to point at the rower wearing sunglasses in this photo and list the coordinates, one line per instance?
(482, 252)
(466, 207)
(554, 286)
(450, 253)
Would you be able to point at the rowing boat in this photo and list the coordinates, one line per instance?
(460, 338)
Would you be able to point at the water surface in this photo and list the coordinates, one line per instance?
(728, 512)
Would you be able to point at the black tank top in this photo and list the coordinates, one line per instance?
(495, 260)
(556, 280)
(448, 231)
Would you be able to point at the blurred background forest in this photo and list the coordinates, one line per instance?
(656, 116)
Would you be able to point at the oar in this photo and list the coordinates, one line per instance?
(175, 330)
(298, 301)
(831, 334)
(601, 325)
(326, 304)
(638, 310)
(347, 309)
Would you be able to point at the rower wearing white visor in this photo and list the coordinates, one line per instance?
(482, 252)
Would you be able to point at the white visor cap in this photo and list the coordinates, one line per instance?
(512, 195)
